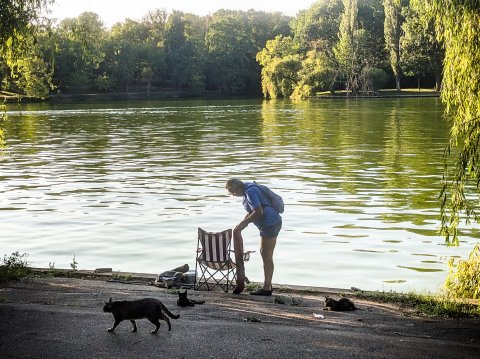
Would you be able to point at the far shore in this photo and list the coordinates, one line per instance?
(9, 97)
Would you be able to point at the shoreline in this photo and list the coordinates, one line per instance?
(175, 95)
(149, 278)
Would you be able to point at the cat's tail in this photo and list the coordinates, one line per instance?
(165, 309)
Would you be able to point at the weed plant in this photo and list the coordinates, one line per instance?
(441, 305)
(463, 280)
(14, 267)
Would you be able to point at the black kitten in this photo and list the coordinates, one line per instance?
(343, 304)
(149, 308)
(183, 301)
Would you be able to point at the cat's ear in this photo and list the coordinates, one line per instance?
(110, 300)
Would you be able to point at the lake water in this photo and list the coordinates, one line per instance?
(125, 185)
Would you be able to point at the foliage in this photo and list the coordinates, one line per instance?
(317, 74)
(31, 69)
(16, 19)
(280, 77)
(280, 67)
(320, 22)
(357, 47)
(80, 44)
(426, 304)
(20, 47)
(421, 53)
(372, 79)
(463, 279)
(230, 52)
(184, 39)
(74, 264)
(393, 32)
(14, 267)
(461, 94)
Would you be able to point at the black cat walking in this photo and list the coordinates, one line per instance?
(147, 308)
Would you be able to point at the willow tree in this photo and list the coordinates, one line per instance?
(17, 23)
(16, 18)
(457, 25)
(280, 67)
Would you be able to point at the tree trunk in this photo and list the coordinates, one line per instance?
(438, 79)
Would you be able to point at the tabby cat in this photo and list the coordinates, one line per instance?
(149, 308)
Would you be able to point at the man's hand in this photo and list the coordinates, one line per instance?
(241, 226)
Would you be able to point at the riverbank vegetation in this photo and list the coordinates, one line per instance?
(14, 267)
(359, 46)
(431, 305)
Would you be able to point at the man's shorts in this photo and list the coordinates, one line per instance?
(271, 231)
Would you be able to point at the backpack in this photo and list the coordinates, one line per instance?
(275, 200)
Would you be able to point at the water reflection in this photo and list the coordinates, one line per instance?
(126, 185)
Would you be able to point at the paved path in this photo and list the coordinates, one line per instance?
(63, 318)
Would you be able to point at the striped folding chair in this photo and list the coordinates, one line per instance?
(214, 266)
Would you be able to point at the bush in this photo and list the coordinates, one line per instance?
(463, 280)
(373, 79)
(14, 267)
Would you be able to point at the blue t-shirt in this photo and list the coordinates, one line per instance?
(254, 198)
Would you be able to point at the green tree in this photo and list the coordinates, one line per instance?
(19, 27)
(421, 53)
(316, 74)
(280, 65)
(185, 51)
(155, 22)
(360, 35)
(229, 49)
(233, 40)
(317, 24)
(461, 94)
(80, 52)
(123, 52)
(393, 32)
(31, 68)
(17, 17)
(347, 51)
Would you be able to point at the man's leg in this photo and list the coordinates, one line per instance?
(266, 250)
